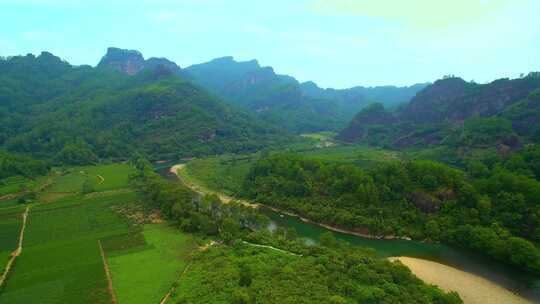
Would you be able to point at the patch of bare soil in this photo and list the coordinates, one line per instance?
(138, 214)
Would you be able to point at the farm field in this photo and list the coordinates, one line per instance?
(10, 226)
(145, 272)
(14, 185)
(114, 176)
(61, 261)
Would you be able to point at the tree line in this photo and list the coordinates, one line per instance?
(238, 272)
(491, 207)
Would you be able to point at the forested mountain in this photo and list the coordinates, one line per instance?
(351, 100)
(454, 112)
(51, 109)
(282, 100)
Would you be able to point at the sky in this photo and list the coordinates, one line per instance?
(336, 43)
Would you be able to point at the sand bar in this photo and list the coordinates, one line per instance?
(473, 289)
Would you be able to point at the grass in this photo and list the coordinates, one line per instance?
(9, 203)
(146, 274)
(115, 176)
(320, 136)
(61, 262)
(224, 173)
(10, 227)
(362, 155)
(15, 184)
(69, 181)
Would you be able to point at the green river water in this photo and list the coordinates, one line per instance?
(524, 284)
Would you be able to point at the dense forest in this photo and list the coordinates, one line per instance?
(238, 271)
(456, 114)
(16, 165)
(76, 115)
(492, 207)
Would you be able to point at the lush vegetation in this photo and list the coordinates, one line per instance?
(77, 115)
(61, 260)
(492, 209)
(16, 165)
(255, 266)
(457, 115)
(76, 211)
(206, 215)
(144, 270)
(283, 101)
(243, 273)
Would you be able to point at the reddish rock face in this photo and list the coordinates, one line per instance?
(126, 61)
(132, 62)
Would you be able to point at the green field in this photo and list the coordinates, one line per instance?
(71, 181)
(325, 135)
(223, 173)
(145, 272)
(362, 155)
(10, 226)
(61, 260)
(15, 184)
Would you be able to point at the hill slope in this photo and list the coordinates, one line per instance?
(453, 112)
(282, 100)
(52, 109)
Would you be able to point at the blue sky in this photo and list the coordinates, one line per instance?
(336, 43)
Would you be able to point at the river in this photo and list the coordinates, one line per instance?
(521, 283)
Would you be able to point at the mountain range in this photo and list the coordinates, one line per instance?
(277, 99)
(51, 109)
(455, 112)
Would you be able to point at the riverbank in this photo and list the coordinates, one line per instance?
(473, 289)
(501, 289)
(226, 199)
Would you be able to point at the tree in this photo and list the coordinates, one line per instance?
(87, 187)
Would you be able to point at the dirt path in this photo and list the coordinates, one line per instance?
(173, 288)
(472, 288)
(17, 251)
(107, 274)
(201, 190)
(272, 248)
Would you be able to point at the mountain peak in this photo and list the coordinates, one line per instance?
(132, 62)
(126, 61)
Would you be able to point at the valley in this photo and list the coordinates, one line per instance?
(494, 280)
(136, 180)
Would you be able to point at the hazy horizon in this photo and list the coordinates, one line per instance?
(337, 44)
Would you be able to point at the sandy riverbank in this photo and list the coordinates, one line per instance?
(472, 288)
